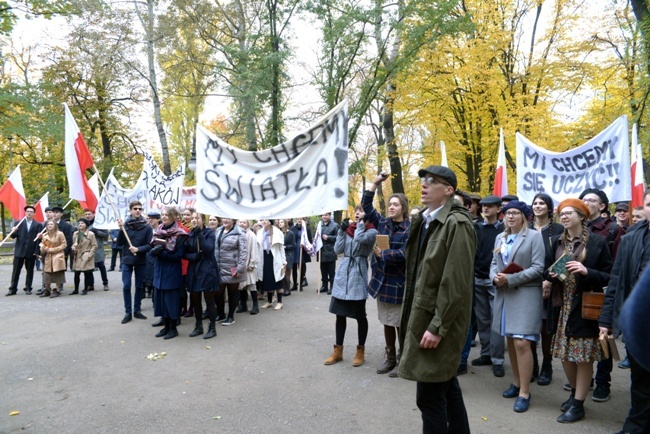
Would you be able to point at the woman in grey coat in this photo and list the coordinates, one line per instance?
(516, 271)
(350, 291)
(231, 251)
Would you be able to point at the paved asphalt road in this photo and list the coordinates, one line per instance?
(69, 366)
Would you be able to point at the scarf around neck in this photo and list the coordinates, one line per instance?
(170, 235)
(353, 227)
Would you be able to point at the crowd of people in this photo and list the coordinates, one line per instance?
(513, 273)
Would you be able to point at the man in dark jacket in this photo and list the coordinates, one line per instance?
(492, 344)
(24, 232)
(101, 236)
(134, 258)
(632, 259)
(597, 202)
(328, 231)
(67, 230)
(438, 302)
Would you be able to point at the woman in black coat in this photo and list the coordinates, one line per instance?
(289, 247)
(168, 247)
(301, 268)
(576, 339)
(202, 276)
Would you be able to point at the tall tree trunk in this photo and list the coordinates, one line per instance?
(153, 84)
(275, 127)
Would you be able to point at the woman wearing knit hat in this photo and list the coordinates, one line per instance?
(516, 271)
(576, 339)
(84, 245)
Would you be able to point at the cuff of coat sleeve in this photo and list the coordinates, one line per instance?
(435, 327)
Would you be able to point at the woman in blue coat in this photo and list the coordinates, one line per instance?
(168, 247)
(202, 276)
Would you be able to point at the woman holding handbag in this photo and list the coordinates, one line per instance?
(516, 271)
(587, 263)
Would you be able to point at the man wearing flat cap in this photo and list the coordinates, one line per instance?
(439, 269)
(24, 232)
(67, 230)
(622, 213)
(492, 343)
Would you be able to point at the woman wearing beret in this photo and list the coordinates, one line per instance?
(576, 339)
(84, 246)
(516, 271)
(168, 248)
(350, 291)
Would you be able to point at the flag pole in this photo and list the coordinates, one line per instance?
(41, 233)
(12, 231)
(110, 201)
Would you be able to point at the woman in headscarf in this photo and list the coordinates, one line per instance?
(53, 246)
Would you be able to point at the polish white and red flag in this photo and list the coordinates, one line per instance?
(12, 195)
(501, 179)
(638, 183)
(77, 161)
(94, 186)
(39, 213)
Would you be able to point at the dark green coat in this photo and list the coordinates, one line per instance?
(438, 294)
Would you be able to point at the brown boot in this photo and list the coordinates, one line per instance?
(45, 293)
(358, 358)
(55, 293)
(389, 362)
(336, 356)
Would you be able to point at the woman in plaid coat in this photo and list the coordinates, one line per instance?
(388, 267)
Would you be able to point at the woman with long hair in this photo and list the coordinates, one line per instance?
(388, 267)
(350, 291)
(542, 222)
(84, 246)
(168, 247)
(202, 273)
(300, 255)
(516, 271)
(271, 262)
(576, 339)
(231, 251)
(53, 246)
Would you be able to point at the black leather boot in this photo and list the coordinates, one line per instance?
(546, 374)
(198, 329)
(172, 332)
(243, 301)
(167, 322)
(567, 404)
(255, 309)
(574, 413)
(212, 331)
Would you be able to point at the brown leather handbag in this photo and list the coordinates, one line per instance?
(592, 303)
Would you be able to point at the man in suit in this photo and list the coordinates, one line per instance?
(24, 232)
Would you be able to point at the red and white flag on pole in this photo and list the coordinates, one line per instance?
(94, 186)
(77, 161)
(12, 195)
(638, 183)
(501, 179)
(39, 214)
(443, 152)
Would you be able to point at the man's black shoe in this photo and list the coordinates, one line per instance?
(323, 289)
(127, 318)
(139, 315)
(498, 370)
(482, 361)
(159, 323)
(11, 292)
(462, 369)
